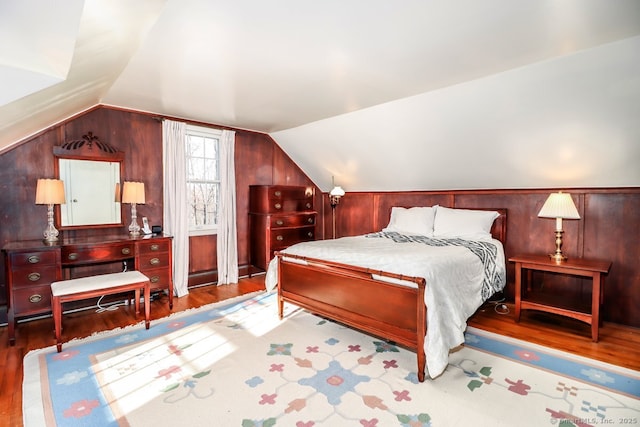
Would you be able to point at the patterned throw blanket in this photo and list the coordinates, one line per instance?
(485, 251)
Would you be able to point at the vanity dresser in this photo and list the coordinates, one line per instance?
(93, 239)
(31, 267)
(279, 216)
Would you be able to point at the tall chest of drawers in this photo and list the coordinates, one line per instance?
(279, 216)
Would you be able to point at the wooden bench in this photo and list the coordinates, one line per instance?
(94, 286)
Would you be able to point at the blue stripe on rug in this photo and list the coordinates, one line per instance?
(590, 371)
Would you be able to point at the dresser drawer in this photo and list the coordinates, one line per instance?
(281, 239)
(97, 253)
(299, 220)
(280, 198)
(152, 260)
(278, 192)
(28, 300)
(289, 205)
(160, 278)
(153, 246)
(37, 275)
(21, 259)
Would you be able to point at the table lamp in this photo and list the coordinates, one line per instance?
(133, 193)
(559, 206)
(50, 192)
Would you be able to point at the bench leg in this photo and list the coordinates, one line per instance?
(57, 320)
(137, 300)
(147, 304)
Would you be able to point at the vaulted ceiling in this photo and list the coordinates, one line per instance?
(382, 95)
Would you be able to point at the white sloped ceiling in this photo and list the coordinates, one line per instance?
(568, 122)
(382, 95)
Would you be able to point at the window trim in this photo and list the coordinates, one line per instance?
(206, 132)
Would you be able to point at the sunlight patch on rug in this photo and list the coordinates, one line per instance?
(239, 365)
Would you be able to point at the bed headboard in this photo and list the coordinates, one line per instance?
(499, 228)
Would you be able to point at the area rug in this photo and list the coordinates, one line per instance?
(237, 364)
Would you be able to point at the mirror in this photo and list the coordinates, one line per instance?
(91, 171)
(90, 191)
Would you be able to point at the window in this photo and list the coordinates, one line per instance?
(203, 179)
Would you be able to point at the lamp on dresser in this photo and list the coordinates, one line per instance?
(334, 199)
(133, 193)
(50, 192)
(559, 206)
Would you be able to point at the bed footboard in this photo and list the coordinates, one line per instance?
(386, 305)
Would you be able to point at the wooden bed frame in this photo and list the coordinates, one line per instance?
(333, 290)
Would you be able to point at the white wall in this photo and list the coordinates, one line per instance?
(569, 122)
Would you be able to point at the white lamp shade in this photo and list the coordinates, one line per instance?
(337, 191)
(559, 205)
(50, 192)
(133, 192)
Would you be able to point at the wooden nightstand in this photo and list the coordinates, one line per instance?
(572, 267)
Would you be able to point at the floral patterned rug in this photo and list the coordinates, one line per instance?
(237, 364)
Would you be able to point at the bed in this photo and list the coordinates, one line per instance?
(415, 283)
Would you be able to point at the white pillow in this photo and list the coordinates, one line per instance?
(416, 220)
(463, 223)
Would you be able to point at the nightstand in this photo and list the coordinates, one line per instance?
(573, 267)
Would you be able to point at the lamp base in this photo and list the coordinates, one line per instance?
(558, 257)
(134, 228)
(50, 233)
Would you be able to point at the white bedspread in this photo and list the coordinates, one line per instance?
(453, 274)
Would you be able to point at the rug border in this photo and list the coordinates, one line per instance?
(628, 382)
(549, 350)
(32, 408)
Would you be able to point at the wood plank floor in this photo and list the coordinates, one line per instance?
(618, 345)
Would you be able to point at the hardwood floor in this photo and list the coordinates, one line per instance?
(617, 345)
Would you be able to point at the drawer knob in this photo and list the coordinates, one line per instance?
(126, 251)
(278, 206)
(36, 298)
(310, 234)
(279, 222)
(278, 193)
(33, 259)
(72, 256)
(155, 247)
(154, 279)
(308, 205)
(279, 238)
(310, 220)
(34, 277)
(154, 261)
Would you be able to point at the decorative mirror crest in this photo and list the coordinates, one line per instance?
(82, 148)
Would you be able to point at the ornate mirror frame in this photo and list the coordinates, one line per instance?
(91, 149)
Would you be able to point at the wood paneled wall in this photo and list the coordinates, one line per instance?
(258, 161)
(609, 229)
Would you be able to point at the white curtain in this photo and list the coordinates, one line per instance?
(227, 230)
(176, 221)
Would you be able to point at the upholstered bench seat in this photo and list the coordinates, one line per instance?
(89, 287)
